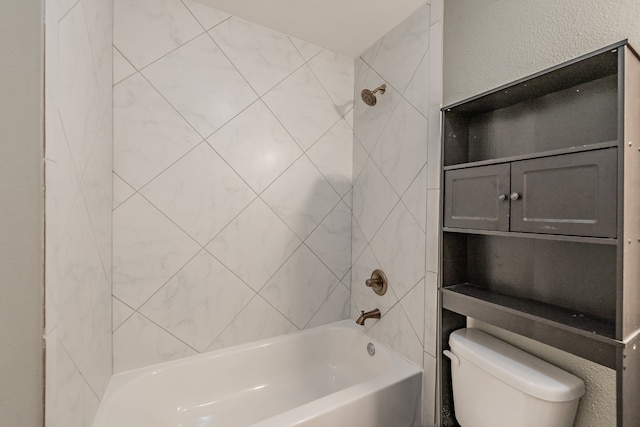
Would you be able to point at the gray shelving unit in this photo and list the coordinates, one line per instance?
(541, 216)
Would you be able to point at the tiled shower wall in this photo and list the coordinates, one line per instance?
(78, 208)
(396, 189)
(232, 182)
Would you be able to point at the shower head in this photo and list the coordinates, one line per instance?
(369, 97)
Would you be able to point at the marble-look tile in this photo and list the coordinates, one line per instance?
(256, 146)
(429, 390)
(399, 245)
(349, 117)
(415, 198)
(394, 329)
(435, 64)
(334, 309)
(205, 14)
(121, 67)
(51, 377)
(254, 245)
(97, 189)
(413, 305)
(333, 155)
(258, 320)
(300, 287)
(306, 49)
(62, 7)
(401, 151)
(263, 56)
(336, 73)
(200, 193)
(75, 404)
(121, 191)
(84, 322)
(433, 216)
(437, 11)
(145, 30)
(201, 83)
(147, 250)
(369, 54)
(303, 107)
(417, 91)
(434, 148)
(358, 241)
(348, 198)
(364, 298)
(79, 90)
(370, 121)
(198, 302)
(401, 49)
(346, 281)
(431, 313)
(148, 134)
(331, 240)
(139, 342)
(373, 199)
(121, 312)
(302, 197)
(99, 15)
(360, 157)
(52, 251)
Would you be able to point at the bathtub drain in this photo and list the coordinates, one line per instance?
(371, 349)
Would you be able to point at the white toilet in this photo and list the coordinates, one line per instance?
(498, 385)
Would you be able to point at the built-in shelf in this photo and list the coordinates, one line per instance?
(549, 153)
(572, 331)
(558, 237)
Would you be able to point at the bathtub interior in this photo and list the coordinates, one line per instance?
(248, 384)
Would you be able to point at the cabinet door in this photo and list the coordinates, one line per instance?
(477, 197)
(572, 194)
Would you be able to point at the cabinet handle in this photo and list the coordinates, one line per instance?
(514, 196)
(502, 197)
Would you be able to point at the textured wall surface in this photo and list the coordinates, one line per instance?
(78, 209)
(21, 210)
(491, 43)
(396, 189)
(232, 182)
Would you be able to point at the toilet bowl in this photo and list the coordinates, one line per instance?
(496, 384)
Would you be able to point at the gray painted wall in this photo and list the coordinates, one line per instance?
(488, 43)
(21, 213)
(491, 43)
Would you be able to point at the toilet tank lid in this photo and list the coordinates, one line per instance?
(513, 366)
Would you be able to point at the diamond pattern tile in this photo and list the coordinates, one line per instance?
(145, 30)
(302, 197)
(206, 99)
(333, 155)
(303, 107)
(188, 305)
(263, 56)
(241, 245)
(200, 193)
(148, 249)
(256, 146)
(300, 287)
(148, 134)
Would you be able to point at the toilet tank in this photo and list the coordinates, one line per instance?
(496, 384)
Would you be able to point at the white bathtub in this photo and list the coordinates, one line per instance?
(320, 377)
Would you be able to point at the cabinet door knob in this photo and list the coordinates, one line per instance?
(514, 196)
(502, 197)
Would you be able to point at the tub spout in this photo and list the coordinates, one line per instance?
(373, 314)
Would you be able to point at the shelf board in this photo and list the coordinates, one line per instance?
(539, 236)
(568, 330)
(570, 150)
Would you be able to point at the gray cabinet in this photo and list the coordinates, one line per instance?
(572, 194)
(541, 216)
